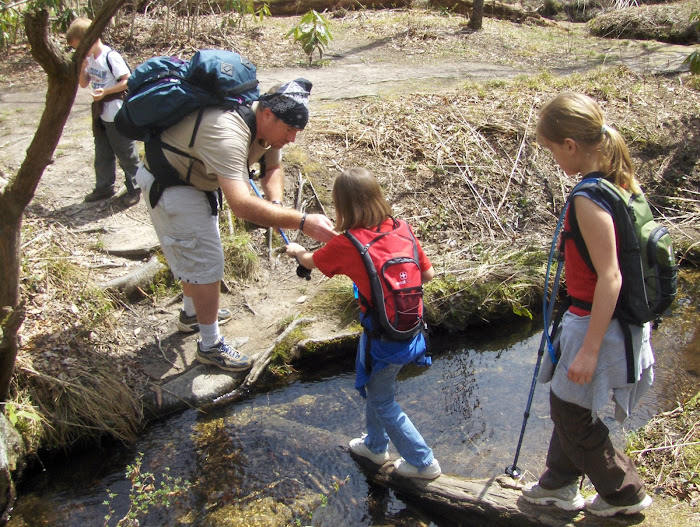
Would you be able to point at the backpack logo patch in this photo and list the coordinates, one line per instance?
(227, 69)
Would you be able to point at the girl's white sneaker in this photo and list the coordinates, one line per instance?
(358, 447)
(405, 469)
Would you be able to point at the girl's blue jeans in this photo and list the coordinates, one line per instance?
(386, 420)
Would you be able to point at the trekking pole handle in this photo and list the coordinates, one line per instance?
(302, 272)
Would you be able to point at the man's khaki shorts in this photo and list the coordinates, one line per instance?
(187, 230)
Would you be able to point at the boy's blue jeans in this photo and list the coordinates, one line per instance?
(386, 420)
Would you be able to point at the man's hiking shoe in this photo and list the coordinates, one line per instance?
(223, 356)
(189, 324)
(599, 507)
(100, 193)
(358, 447)
(567, 498)
(131, 198)
(405, 469)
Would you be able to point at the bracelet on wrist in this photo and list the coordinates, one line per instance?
(301, 223)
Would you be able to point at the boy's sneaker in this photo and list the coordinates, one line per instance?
(100, 193)
(358, 447)
(405, 469)
(599, 507)
(567, 498)
(223, 356)
(189, 324)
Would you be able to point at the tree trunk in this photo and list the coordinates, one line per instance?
(62, 72)
(476, 20)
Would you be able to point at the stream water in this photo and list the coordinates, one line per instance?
(280, 458)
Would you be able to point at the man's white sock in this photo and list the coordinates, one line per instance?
(209, 334)
(188, 306)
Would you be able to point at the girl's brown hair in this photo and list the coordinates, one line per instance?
(359, 200)
(578, 117)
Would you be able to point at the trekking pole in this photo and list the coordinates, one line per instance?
(547, 309)
(302, 272)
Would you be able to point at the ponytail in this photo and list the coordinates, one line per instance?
(616, 160)
(578, 117)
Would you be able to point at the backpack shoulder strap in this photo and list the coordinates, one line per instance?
(109, 64)
(248, 116)
(246, 113)
(575, 231)
(371, 273)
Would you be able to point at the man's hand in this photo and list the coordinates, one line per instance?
(319, 227)
(98, 94)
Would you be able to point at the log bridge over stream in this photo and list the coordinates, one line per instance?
(494, 502)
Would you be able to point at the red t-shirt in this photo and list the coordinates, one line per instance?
(339, 256)
(580, 279)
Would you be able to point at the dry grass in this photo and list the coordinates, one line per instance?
(464, 167)
(667, 451)
(70, 341)
(664, 22)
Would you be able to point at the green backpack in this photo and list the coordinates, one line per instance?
(646, 257)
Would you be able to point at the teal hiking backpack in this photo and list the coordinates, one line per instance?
(646, 258)
(163, 90)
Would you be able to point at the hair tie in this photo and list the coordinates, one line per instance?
(604, 129)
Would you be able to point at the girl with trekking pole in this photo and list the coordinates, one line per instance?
(592, 358)
(362, 212)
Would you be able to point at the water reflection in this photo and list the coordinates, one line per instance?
(280, 458)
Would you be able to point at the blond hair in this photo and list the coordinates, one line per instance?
(578, 117)
(359, 200)
(77, 29)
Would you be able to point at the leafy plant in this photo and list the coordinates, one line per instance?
(312, 33)
(246, 7)
(10, 25)
(14, 414)
(693, 60)
(146, 493)
(64, 19)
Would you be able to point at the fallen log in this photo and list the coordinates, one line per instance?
(496, 502)
(299, 7)
(492, 8)
(137, 279)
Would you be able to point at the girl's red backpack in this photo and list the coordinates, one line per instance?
(391, 260)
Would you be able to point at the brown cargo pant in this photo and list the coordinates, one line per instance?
(580, 446)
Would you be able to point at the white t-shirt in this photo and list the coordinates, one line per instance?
(101, 77)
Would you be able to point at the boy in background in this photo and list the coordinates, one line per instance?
(107, 73)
